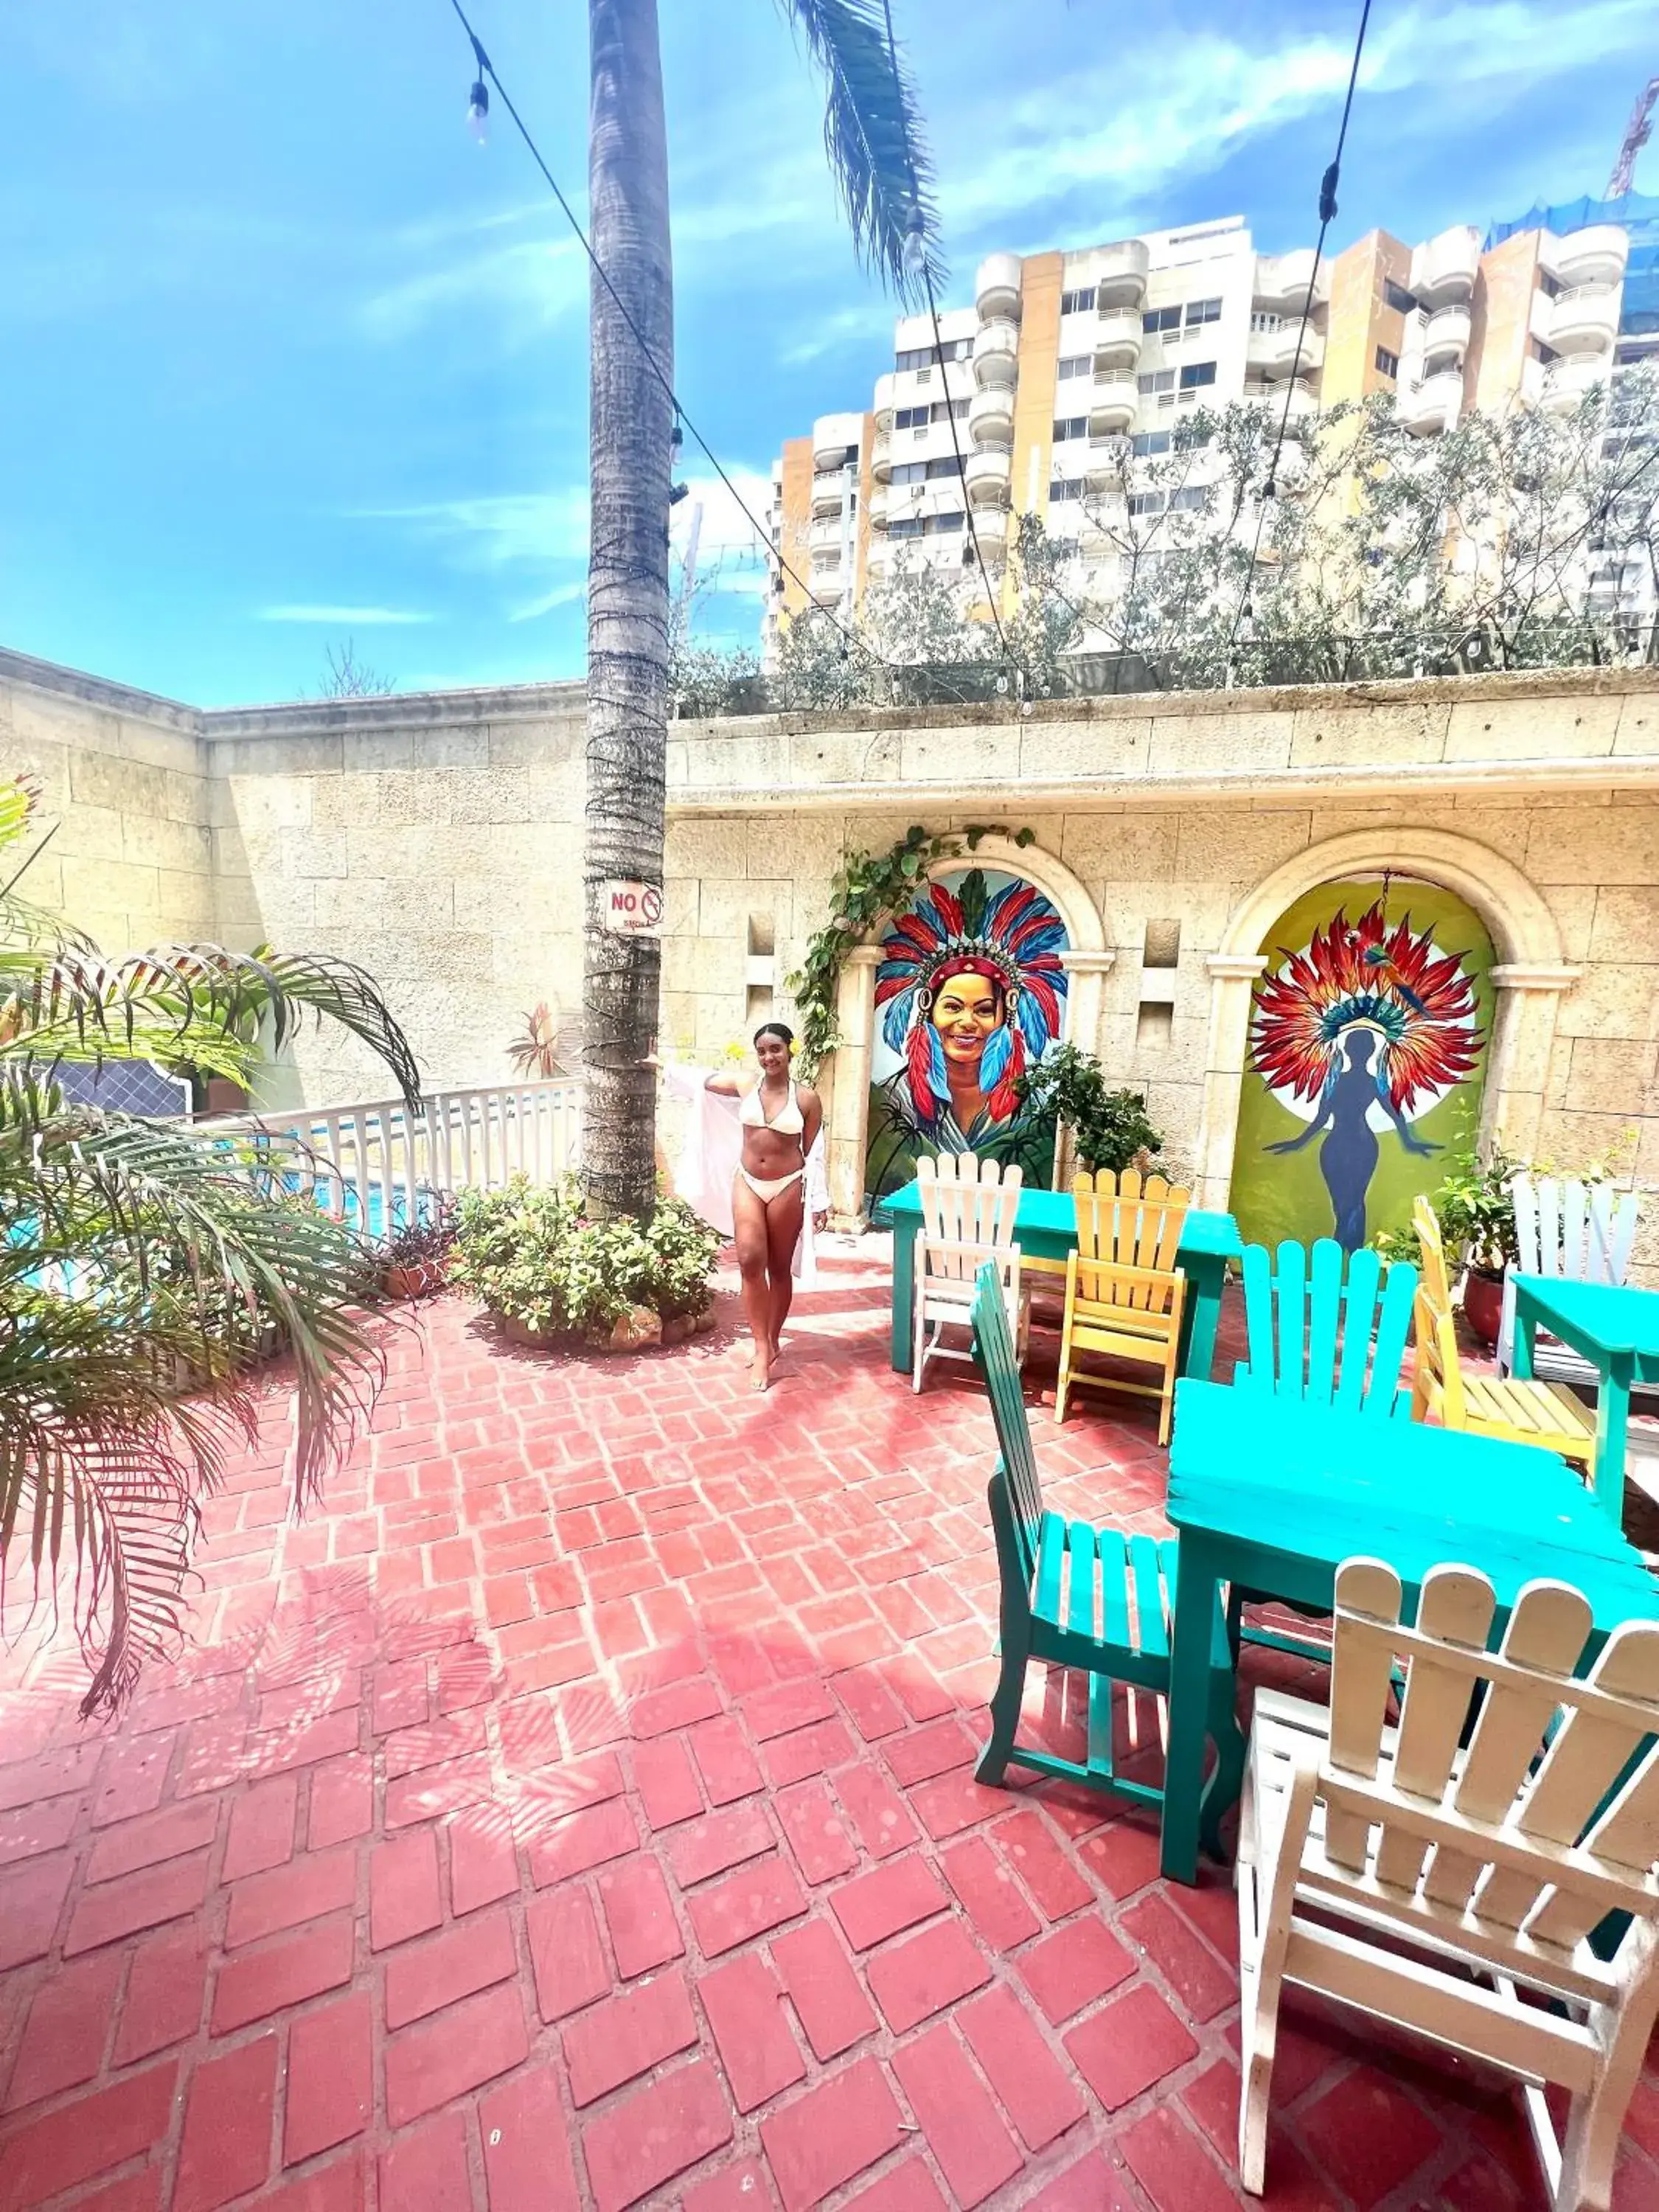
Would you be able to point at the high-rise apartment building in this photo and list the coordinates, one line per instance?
(1022, 406)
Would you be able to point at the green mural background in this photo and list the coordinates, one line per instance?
(1281, 1196)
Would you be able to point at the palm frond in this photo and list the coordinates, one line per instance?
(873, 135)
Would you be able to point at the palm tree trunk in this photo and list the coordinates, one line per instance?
(628, 589)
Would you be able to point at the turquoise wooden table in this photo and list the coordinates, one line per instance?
(1276, 1492)
(1046, 1226)
(1614, 1328)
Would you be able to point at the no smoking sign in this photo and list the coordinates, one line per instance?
(631, 910)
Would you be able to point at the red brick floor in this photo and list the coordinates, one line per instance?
(579, 1811)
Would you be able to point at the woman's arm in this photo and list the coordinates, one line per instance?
(811, 1152)
(725, 1083)
(812, 1118)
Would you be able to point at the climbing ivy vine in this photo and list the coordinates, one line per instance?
(866, 886)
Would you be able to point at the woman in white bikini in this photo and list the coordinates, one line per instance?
(781, 1120)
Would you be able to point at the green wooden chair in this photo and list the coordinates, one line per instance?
(1335, 1334)
(1078, 1597)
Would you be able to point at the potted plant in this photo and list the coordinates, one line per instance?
(1475, 1208)
(414, 1257)
(1109, 1128)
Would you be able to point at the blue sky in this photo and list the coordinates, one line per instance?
(287, 358)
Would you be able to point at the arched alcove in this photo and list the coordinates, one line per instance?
(1529, 978)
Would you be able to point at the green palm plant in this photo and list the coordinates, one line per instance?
(143, 1266)
(872, 139)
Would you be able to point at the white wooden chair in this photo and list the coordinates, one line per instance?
(1492, 1864)
(968, 1210)
(1580, 1234)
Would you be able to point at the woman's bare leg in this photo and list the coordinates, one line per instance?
(750, 1226)
(783, 1217)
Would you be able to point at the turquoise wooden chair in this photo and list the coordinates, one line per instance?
(1333, 1334)
(1078, 1597)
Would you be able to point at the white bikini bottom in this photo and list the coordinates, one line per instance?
(767, 1188)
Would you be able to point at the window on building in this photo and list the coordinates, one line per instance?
(1147, 442)
(851, 455)
(1189, 439)
(1543, 353)
(1202, 311)
(1145, 502)
(1160, 379)
(1397, 297)
(1548, 285)
(909, 471)
(1078, 302)
(1266, 320)
(1157, 319)
(1071, 426)
(1196, 375)
(1388, 363)
(940, 526)
(905, 525)
(949, 467)
(909, 418)
(1075, 364)
(943, 410)
(925, 356)
(1188, 500)
(1064, 488)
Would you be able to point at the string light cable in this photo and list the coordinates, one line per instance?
(476, 110)
(1328, 187)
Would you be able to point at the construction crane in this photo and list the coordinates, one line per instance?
(1637, 132)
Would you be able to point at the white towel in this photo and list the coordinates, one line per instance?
(708, 1165)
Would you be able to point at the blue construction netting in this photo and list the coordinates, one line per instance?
(1635, 212)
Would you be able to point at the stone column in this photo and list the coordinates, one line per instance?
(848, 1108)
(1518, 1057)
(1085, 973)
(1232, 977)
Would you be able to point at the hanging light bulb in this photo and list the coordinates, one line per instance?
(477, 112)
(914, 257)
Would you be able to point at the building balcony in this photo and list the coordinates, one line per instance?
(880, 505)
(1443, 269)
(1271, 355)
(823, 536)
(1303, 401)
(826, 587)
(1112, 405)
(831, 436)
(991, 416)
(996, 353)
(987, 477)
(992, 527)
(885, 401)
(1121, 274)
(829, 492)
(997, 287)
(881, 456)
(1104, 463)
(1445, 337)
(1118, 339)
(1584, 319)
(1283, 281)
(1594, 256)
(1567, 384)
(1430, 407)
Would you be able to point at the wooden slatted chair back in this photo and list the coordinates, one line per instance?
(1515, 1849)
(994, 1348)
(1583, 1234)
(1128, 1227)
(1312, 1323)
(1437, 1379)
(1436, 1282)
(968, 1205)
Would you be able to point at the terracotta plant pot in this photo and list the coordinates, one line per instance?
(415, 1282)
(1483, 1304)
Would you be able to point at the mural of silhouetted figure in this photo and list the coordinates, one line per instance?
(1348, 1157)
(1371, 1018)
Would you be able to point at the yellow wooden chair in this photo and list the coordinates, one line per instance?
(1123, 1290)
(1543, 1414)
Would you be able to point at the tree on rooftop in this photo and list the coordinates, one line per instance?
(873, 141)
(145, 1265)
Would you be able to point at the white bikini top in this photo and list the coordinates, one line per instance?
(751, 1113)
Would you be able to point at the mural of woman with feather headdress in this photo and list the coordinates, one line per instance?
(968, 997)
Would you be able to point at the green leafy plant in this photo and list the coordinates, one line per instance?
(147, 1268)
(426, 1242)
(866, 887)
(1475, 1209)
(1109, 1127)
(533, 1256)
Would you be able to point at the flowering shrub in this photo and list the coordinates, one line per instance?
(533, 1257)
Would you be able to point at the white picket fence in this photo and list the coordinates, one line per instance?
(373, 1164)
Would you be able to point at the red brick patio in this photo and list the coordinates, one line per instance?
(579, 1812)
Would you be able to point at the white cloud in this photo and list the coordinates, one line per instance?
(499, 531)
(562, 596)
(530, 285)
(344, 618)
